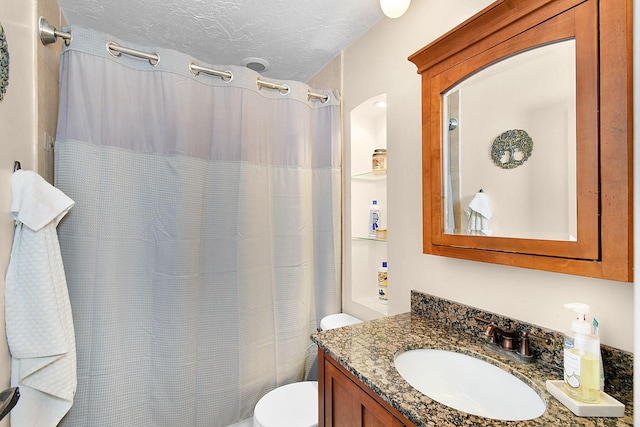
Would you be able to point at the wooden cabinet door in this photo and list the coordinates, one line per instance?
(347, 405)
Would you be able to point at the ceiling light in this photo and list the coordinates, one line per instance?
(394, 8)
(256, 64)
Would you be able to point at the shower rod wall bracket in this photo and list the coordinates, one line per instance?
(49, 34)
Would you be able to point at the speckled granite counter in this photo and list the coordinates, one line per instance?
(368, 349)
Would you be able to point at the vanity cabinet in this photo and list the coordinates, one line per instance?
(345, 402)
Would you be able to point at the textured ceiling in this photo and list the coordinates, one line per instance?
(297, 37)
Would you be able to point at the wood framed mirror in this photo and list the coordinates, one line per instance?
(556, 172)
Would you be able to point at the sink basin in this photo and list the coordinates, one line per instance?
(470, 385)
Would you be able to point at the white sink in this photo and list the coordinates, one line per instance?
(470, 385)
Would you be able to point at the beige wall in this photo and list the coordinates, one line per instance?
(330, 77)
(17, 127)
(538, 199)
(377, 63)
(28, 110)
(48, 68)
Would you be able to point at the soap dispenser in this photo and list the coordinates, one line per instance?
(581, 358)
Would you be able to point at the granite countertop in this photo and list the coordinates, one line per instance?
(368, 349)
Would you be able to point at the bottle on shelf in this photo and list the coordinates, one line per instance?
(383, 297)
(374, 219)
(379, 160)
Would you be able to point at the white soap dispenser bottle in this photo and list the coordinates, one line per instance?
(581, 358)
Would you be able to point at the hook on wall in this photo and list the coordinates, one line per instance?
(16, 166)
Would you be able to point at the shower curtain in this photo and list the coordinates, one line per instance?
(205, 240)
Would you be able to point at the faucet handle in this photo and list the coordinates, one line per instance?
(509, 339)
(524, 342)
(524, 349)
(507, 343)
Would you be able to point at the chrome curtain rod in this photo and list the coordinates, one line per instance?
(116, 50)
(49, 34)
(284, 89)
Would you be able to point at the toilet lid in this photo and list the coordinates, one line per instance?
(333, 321)
(292, 405)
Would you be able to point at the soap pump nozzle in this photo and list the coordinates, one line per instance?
(580, 325)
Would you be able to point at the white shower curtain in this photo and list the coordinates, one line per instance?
(205, 240)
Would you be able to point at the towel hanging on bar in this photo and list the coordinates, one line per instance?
(38, 314)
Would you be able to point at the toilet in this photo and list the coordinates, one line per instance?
(296, 404)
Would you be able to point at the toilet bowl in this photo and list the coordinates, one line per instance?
(296, 404)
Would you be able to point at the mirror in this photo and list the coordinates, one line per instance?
(530, 102)
(509, 131)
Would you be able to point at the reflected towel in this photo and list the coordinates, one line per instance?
(39, 324)
(479, 213)
(480, 204)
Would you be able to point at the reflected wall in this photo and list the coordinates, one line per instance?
(527, 100)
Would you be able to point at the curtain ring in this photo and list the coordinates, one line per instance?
(284, 91)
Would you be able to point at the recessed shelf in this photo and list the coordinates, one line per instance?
(370, 176)
(372, 239)
(365, 253)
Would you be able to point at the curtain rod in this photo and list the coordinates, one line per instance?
(49, 34)
(116, 50)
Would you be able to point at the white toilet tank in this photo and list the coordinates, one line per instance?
(333, 321)
(296, 404)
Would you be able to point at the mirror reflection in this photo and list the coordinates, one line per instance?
(509, 148)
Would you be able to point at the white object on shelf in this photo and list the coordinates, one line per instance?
(607, 407)
(374, 218)
(382, 283)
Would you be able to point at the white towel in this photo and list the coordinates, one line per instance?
(479, 213)
(480, 204)
(38, 312)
